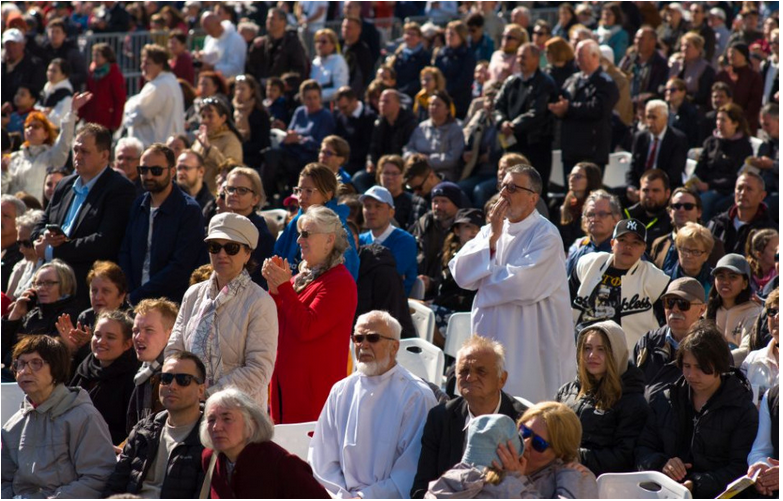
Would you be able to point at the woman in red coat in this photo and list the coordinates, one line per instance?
(315, 311)
(235, 431)
(107, 85)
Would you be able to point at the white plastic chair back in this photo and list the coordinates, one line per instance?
(619, 164)
(522, 400)
(422, 359)
(278, 215)
(640, 485)
(556, 176)
(12, 398)
(457, 332)
(276, 137)
(417, 291)
(423, 319)
(755, 143)
(295, 438)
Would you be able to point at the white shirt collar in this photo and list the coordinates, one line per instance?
(470, 417)
(358, 111)
(660, 136)
(383, 236)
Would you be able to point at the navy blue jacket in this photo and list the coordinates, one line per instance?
(457, 66)
(177, 246)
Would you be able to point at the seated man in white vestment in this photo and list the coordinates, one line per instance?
(368, 438)
(517, 265)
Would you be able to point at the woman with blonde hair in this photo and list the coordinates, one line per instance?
(329, 68)
(315, 310)
(690, 66)
(432, 80)
(608, 397)
(694, 244)
(503, 62)
(762, 254)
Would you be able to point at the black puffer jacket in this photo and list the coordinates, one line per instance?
(110, 389)
(609, 436)
(717, 442)
(41, 319)
(720, 160)
(183, 472)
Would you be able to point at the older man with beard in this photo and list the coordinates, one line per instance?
(368, 438)
(651, 209)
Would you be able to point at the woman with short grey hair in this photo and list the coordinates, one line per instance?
(237, 435)
(21, 277)
(315, 312)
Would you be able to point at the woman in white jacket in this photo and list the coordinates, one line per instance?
(57, 92)
(228, 320)
(25, 170)
(329, 67)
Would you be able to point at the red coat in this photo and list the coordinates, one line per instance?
(108, 99)
(272, 473)
(313, 346)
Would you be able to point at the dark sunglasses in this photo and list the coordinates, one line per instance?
(182, 379)
(772, 312)
(682, 304)
(231, 248)
(307, 234)
(371, 338)
(156, 171)
(686, 206)
(25, 243)
(538, 443)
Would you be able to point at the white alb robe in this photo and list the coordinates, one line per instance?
(523, 302)
(368, 437)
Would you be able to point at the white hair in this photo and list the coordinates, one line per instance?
(131, 142)
(30, 218)
(385, 317)
(658, 104)
(258, 426)
(481, 343)
(20, 207)
(592, 48)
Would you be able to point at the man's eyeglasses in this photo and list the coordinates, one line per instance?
(686, 206)
(156, 171)
(538, 443)
(45, 284)
(371, 338)
(419, 187)
(327, 153)
(35, 364)
(231, 248)
(682, 304)
(25, 243)
(599, 214)
(166, 379)
(512, 188)
(690, 252)
(241, 190)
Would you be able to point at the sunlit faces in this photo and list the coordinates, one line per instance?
(175, 397)
(598, 220)
(391, 178)
(729, 284)
(748, 192)
(522, 201)
(577, 180)
(627, 250)
(377, 215)
(105, 295)
(308, 194)
(150, 335)
(23, 99)
(680, 321)
(35, 133)
(466, 232)
(317, 246)
(438, 110)
(477, 375)
(227, 430)
(206, 87)
(699, 381)
(88, 161)
(24, 234)
(537, 460)
(692, 255)
(244, 198)
(653, 195)
(375, 358)
(594, 355)
(47, 286)
(228, 267)
(151, 182)
(726, 125)
(443, 208)
(188, 171)
(312, 100)
(108, 342)
(683, 209)
(212, 119)
(34, 382)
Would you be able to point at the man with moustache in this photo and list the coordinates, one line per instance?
(653, 200)
(190, 178)
(164, 241)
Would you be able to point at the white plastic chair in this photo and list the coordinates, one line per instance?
(755, 143)
(295, 438)
(640, 485)
(522, 400)
(278, 215)
(457, 332)
(423, 319)
(12, 398)
(556, 176)
(619, 163)
(417, 291)
(422, 359)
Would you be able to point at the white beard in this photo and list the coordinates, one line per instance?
(374, 368)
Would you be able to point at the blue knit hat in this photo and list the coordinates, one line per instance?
(485, 433)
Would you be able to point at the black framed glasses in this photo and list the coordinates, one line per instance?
(241, 190)
(45, 284)
(512, 188)
(25, 243)
(690, 252)
(166, 379)
(682, 304)
(231, 248)
(418, 187)
(156, 171)
(371, 338)
(599, 214)
(686, 206)
(538, 443)
(35, 364)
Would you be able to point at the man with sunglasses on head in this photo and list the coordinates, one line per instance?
(683, 304)
(684, 207)
(619, 285)
(164, 240)
(517, 265)
(600, 213)
(162, 456)
(380, 400)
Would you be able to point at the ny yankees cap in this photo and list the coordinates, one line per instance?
(630, 226)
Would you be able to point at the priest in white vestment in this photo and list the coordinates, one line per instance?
(517, 264)
(368, 437)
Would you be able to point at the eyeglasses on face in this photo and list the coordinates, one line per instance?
(231, 248)
(682, 304)
(44, 284)
(539, 444)
(241, 190)
(599, 214)
(686, 206)
(512, 188)
(304, 234)
(182, 379)
(156, 171)
(690, 252)
(418, 187)
(371, 338)
(35, 364)
(298, 190)
(327, 153)
(25, 243)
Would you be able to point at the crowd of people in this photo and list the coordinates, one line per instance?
(236, 246)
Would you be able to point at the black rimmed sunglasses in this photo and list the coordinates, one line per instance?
(371, 338)
(182, 379)
(231, 248)
(538, 443)
(156, 171)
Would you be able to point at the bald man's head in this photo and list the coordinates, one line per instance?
(210, 22)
